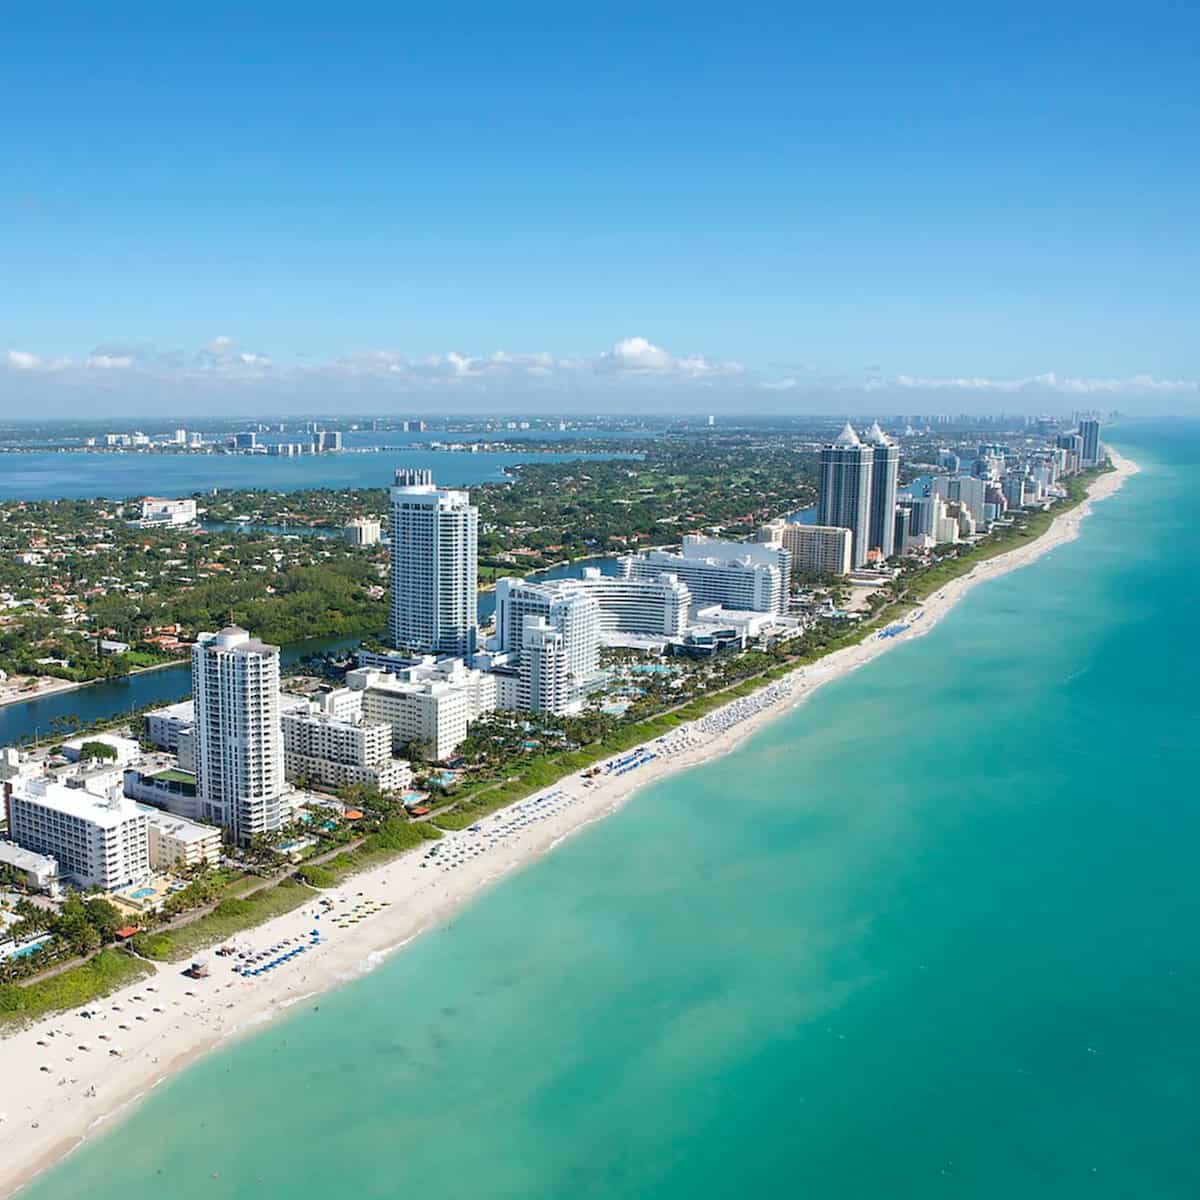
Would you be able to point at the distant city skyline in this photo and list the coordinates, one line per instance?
(780, 209)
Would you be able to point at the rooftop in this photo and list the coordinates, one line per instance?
(107, 812)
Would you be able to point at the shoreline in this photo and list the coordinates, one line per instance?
(166, 1021)
(59, 686)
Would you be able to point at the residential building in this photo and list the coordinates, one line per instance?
(1089, 430)
(885, 481)
(546, 681)
(328, 745)
(122, 751)
(815, 549)
(176, 842)
(39, 871)
(238, 740)
(362, 531)
(157, 512)
(97, 841)
(964, 488)
(430, 702)
(435, 573)
(172, 790)
(1014, 491)
(162, 726)
(566, 605)
(844, 497)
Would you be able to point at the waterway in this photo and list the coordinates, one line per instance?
(79, 474)
(111, 698)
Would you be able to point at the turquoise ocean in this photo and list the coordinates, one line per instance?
(932, 934)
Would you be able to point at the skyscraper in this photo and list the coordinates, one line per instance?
(885, 479)
(238, 738)
(435, 571)
(1089, 430)
(845, 494)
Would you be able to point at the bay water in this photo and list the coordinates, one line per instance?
(933, 933)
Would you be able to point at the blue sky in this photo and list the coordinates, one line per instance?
(565, 207)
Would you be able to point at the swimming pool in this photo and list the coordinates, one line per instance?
(141, 893)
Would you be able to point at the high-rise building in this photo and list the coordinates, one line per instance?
(964, 488)
(1089, 430)
(885, 483)
(567, 606)
(435, 571)
(546, 683)
(815, 549)
(238, 739)
(845, 490)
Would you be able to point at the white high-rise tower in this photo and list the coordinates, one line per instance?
(238, 738)
(435, 568)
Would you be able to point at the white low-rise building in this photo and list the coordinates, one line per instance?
(176, 842)
(124, 751)
(39, 870)
(157, 512)
(97, 841)
(162, 726)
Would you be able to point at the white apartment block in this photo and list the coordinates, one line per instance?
(966, 489)
(431, 701)
(435, 571)
(176, 842)
(546, 683)
(157, 512)
(323, 747)
(568, 606)
(163, 726)
(363, 531)
(815, 549)
(97, 841)
(237, 736)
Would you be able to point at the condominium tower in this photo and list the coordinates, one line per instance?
(238, 739)
(1089, 430)
(845, 490)
(435, 573)
(885, 478)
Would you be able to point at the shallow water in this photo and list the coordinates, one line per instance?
(933, 933)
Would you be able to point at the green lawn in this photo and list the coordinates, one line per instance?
(108, 972)
(230, 917)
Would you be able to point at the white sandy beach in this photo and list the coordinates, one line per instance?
(169, 1019)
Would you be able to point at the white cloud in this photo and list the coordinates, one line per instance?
(637, 354)
(22, 360)
(110, 362)
(1047, 382)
